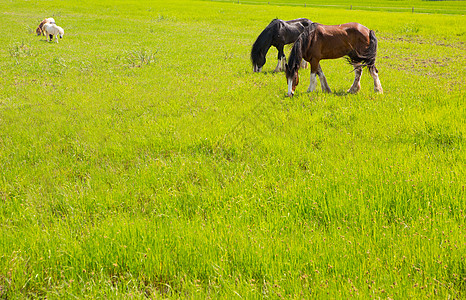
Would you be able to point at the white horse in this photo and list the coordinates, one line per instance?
(52, 30)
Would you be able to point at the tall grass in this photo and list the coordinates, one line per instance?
(141, 157)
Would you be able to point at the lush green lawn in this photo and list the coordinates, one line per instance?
(140, 156)
(417, 6)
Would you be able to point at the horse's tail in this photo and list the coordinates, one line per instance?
(264, 42)
(366, 59)
(296, 54)
(373, 50)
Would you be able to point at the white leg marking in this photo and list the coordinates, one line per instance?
(277, 68)
(280, 65)
(377, 85)
(313, 83)
(303, 64)
(290, 88)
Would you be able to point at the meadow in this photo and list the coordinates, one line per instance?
(418, 6)
(141, 157)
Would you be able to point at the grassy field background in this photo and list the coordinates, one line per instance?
(419, 6)
(141, 156)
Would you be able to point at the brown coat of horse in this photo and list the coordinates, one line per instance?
(351, 40)
(39, 29)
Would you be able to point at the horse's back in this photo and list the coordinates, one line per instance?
(334, 41)
(352, 28)
(53, 28)
(290, 30)
(343, 32)
(302, 21)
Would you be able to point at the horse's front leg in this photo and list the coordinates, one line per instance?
(303, 64)
(317, 70)
(357, 81)
(313, 81)
(323, 80)
(281, 59)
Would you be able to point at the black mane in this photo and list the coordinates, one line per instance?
(264, 41)
(296, 55)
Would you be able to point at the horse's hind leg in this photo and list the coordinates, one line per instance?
(323, 80)
(357, 81)
(281, 59)
(375, 75)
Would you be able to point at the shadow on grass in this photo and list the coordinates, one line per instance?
(297, 94)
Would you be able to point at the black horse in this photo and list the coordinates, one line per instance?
(278, 33)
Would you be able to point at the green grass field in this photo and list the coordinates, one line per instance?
(418, 6)
(141, 156)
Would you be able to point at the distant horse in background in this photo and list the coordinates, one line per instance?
(39, 30)
(318, 42)
(52, 30)
(278, 33)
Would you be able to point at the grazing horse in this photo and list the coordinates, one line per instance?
(39, 30)
(52, 30)
(278, 33)
(318, 42)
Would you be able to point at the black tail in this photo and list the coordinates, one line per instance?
(366, 59)
(264, 42)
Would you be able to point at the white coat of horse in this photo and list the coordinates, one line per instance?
(39, 30)
(52, 30)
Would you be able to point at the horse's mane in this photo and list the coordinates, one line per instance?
(296, 55)
(264, 40)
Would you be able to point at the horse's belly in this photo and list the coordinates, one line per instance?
(334, 53)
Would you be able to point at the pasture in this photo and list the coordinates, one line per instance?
(141, 156)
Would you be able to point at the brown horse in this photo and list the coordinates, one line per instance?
(318, 42)
(39, 30)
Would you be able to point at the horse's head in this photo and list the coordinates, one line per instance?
(61, 32)
(258, 53)
(258, 62)
(292, 78)
(41, 25)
